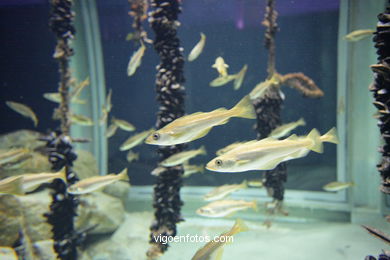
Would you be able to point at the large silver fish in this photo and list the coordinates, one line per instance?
(182, 157)
(194, 126)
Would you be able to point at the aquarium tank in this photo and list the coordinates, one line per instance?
(194, 129)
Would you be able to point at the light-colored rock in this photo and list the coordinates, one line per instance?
(8, 253)
(11, 219)
(85, 166)
(99, 209)
(118, 189)
(44, 250)
(21, 138)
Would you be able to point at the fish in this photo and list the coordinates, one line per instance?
(111, 130)
(135, 140)
(330, 136)
(78, 88)
(358, 35)
(261, 88)
(81, 120)
(222, 80)
(12, 186)
(239, 77)
(191, 169)
(97, 182)
(194, 126)
(132, 156)
(197, 50)
(223, 208)
(158, 170)
(123, 124)
(108, 106)
(103, 117)
(32, 181)
(337, 186)
(255, 183)
(135, 60)
(285, 129)
(267, 153)
(214, 248)
(13, 155)
(23, 110)
(223, 191)
(182, 157)
(56, 97)
(220, 66)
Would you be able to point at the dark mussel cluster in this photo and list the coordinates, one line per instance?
(268, 118)
(380, 88)
(170, 95)
(64, 205)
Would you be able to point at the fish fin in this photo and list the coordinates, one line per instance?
(63, 174)
(282, 95)
(123, 175)
(203, 133)
(178, 134)
(202, 36)
(202, 150)
(314, 136)
(218, 253)
(301, 121)
(244, 108)
(201, 168)
(239, 77)
(241, 162)
(292, 137)
(331, 136)
(244, 184)
(239, 226)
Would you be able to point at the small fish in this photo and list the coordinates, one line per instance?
(157, 171)
(223, 208)
(132, 156)
(197, 125)
(23, 110)
(78, 88)
(94, 183)
(222, 80)
(214, 248)
(13, 155)
(135, 140)
(197, 50)
(12, 186)
(108, 104)
(285, 129)
(135, 60)
(182, 157)
(31, 181)
(111, 130)
(267, 153)
(358, 35)
(81, 120)
(223, 191)
(191, 169)
(239, 77)
(255, 183)
(220, 66)
(337, 186)
(260, 89)
(123, 124)
(56, 97)
(104, 116)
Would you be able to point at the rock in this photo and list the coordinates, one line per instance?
(102, 210)
(8, 253)
(118, 190)
(21, 138)
(85, 166)
(10, 219)
(44, 250)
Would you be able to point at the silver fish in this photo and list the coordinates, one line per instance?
(23, 110)
(135, 60)
(197, 50)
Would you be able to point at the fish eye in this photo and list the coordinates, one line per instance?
(218, 162)
(156, 136)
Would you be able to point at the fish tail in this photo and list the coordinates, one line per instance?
(254, 206)
(62, 174)
(301, 121)
(202, 150)
(123, 175)
(201, 168)
(239, 226)
(244, 108)
(136, 156)
(331, 136)
(316, 146)
(244, 184)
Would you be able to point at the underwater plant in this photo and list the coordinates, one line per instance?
(170, 94)
(268, 105)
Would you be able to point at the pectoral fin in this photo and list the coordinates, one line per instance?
(271, 164)
(218, 254)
